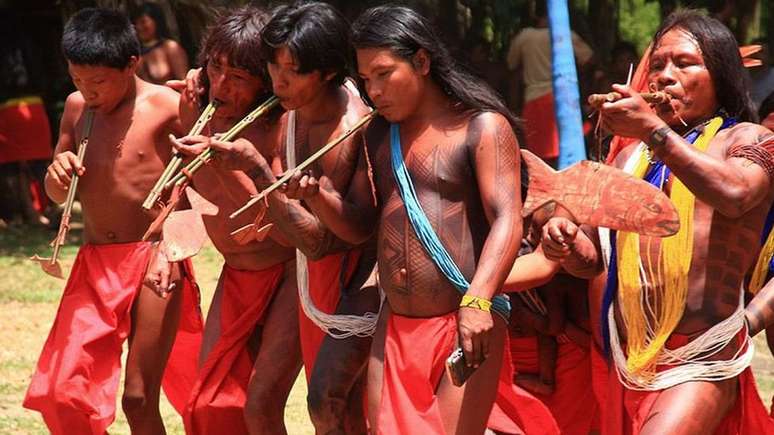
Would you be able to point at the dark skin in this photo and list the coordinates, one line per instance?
(324, 111)
(448, 154)
(128, 149)
(274, 345)
(567, 314)
(733, 196)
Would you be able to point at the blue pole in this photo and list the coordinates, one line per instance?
(565, 83)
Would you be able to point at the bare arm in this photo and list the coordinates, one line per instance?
(496, 161)
(576, 248)
(65, 161)
(305, 231)
(530, 271)
(352, 219)
(759, 313)
(732, 186)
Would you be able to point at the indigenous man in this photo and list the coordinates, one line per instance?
(309, 52)
(250, 357)
(458, 142)
(310, 56)
(682, 293)
(104, 302)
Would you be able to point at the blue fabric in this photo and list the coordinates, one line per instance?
(424, 230)
(657, 175)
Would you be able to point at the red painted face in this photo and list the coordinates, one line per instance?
(102, 87)
(677, 67)
(294, 89)
(392, 83)
(236, 89)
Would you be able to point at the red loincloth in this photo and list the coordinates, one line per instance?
(572, 403)
(599, 377)
(627, 410)
(325, 283)
(25, 133)
(75, 384)
(218, 399)
(415, 352)
(540, 127)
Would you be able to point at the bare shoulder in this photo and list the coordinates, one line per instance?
(172, 46)
(743, 134)
(492, 128)
(75, 101)
(161, 98)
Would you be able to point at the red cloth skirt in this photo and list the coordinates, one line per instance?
(540, 127)
(25, 133)
(218, 399)
(326, 278)
(572, 403)
(415, 352)
(75, 384)
(628, 410)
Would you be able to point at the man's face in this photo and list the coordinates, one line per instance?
(392, 83)
(235, 89)
(294, 89)
(102, 87)
(677, 67)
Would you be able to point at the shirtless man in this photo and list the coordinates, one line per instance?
(695, 60)
(250, 357)
(104, 302)
(310, 55)
(462, 154)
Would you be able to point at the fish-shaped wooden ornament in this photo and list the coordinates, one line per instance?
(600, 196)
(254, 232)
(183, 231)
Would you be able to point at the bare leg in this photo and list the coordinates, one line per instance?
(333, 404)
(691, 408)
(154, 325)
(466, 409)
(376, 369)
(277, 364)
(212, 325)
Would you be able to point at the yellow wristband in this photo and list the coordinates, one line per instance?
(476, 302)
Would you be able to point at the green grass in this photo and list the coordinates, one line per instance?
(28, 303)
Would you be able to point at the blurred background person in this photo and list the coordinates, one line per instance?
(162, 57)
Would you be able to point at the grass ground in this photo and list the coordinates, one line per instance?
(28, 302)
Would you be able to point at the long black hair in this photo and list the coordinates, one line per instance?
(317, 35)
(405, 32)
(720, 52)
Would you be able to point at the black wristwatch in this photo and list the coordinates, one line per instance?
(658, 137)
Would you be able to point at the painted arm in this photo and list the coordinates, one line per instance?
(352, 218)
(496, 163)
(759, 313)
(301, 227)
(732, 186)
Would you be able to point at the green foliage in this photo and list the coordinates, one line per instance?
(638, 21)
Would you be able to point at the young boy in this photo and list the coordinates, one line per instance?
(104, 302)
